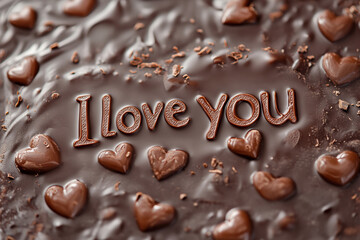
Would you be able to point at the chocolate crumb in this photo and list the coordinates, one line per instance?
(178, 54)
(19, 100)
(75, 58)
(54, 46)
(204, 51)
(148, 75)
(205, 165)
(139, 26)
(343, 105)
(192, 21)
(136, 61)
(199, 30)
(197, 49)
(176, 69)
(150, 65)
(116, 186)
(302, 49)
(217, 171)
(9, 176)
(183, 196)
(55, 95)
(337, 93)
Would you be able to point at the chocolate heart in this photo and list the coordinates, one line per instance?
(341, 70)
(67, 201)
(24, 72)
(338, 170)
(334, 27)
(42, 156)
(165, 163)
(272, 188)
(150, 214)
(238, 12)
(119, 160)
(248, 146)
(237, 225)
(79, 8)
(26, 18)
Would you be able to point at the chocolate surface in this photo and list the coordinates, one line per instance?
(127, 50)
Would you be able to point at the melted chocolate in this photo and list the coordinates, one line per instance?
(125, 49)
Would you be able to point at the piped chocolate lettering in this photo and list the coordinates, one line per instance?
(231, 110)
(105, 119)
(290, 114)
(84, 125)
(173, 107)
(213, 114)
(150, 117)
(120, 117)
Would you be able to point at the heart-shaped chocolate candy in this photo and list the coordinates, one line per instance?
(150, 214)
(341, 70)
(338, 170)
(25, 18)
(238, 12)
(237, 225)
(272, 188)
(248, 146)
(165, 163)
(67, 201)
(42, 156)
(24, 72)
(79, 8)
(119, 160)
(334, 27)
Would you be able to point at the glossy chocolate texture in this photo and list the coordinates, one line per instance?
(99, 51)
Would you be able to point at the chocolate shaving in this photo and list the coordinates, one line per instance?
(176, 70)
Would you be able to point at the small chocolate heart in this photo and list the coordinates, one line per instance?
(248, 146)
(238, 12)
(237, 225)
(119, 160)
(341, 70)
(67, 201)
(334, 27)
(79, 8)
(338, 170)
(150, 214)
(26, 18)
(165, 163)
(272, 188)
(42, 156)
(24, 72)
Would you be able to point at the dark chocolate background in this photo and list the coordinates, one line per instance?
(104, 39)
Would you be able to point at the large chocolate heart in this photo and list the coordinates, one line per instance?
(25, 18)
(119, 160)
(338, 170)
(334, 27)
(248, 146)
(42, 156)
(67, 201)
(238, 12)
(165, 163)
(272, 188)
(341, 70)
(150, 214)
(79, 8)
(24, 72)
(237, 225)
